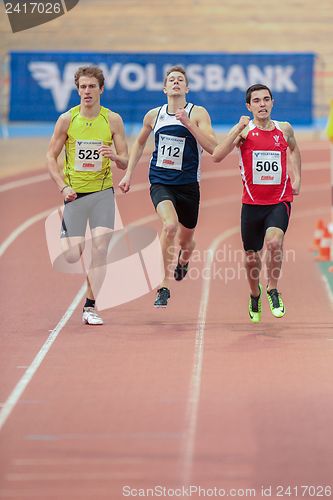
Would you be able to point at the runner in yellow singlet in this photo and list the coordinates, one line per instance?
(93, 136)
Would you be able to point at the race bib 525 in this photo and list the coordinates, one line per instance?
(87, 157)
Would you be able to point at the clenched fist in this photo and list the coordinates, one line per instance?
(182, 116)
(243, 122)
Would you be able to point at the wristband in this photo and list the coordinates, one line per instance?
(61, 190)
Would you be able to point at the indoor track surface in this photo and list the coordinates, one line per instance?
(191, 395)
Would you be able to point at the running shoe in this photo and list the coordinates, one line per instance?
(180, 270)
(275, 303)
(162, 297)
(90, 316)
(255, 307)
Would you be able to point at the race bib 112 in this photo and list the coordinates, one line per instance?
(170, 152)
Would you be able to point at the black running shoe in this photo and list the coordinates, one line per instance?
(162, 297)
(180, 270)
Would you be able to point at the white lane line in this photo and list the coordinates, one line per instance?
(70, 476)
(188, 442)
(319, 165)
(217, 201)
(321, 145)
(55, 462)
(8, 406)
(20, 229)
(24, 182)
(20, 387)
(139, 187)
(195, 384)
(328, 290)
(312, 188)
(234, 172)
(196, 375)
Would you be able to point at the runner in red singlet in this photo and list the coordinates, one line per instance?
(267, 191)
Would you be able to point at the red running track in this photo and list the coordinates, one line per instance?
(190, 395)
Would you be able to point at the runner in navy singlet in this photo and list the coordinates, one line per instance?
(181, 131)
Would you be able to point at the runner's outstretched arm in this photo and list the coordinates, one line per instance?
(56, 145)
(200, 126)
(231, 140)
(120, 155)
(137, 149)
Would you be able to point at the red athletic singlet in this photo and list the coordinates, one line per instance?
(263, 166)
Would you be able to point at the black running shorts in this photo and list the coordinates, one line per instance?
(185, 199)
(96, 208)
(256, 219)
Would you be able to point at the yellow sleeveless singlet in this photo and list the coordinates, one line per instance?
(84, 169)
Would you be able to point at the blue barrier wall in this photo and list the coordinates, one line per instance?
(42, 84)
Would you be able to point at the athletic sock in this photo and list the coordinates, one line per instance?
(89, 303)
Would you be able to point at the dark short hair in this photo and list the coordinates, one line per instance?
(253, 88)
(180, 69)
(92, 71)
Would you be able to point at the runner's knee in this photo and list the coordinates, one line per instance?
(252, 260)
(73, 254)
(186, 243)
(170, 229)
(251, 256)
(274, 244)
(99, 250)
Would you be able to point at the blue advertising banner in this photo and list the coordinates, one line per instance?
(42, 84)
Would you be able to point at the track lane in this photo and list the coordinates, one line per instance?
(141, 450)
(266, 392)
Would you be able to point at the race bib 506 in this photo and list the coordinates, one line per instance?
(266, 167)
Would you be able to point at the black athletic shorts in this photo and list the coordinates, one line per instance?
(185, 199)
(256, 219)
(98, 208)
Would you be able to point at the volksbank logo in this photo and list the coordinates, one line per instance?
(28, 14)
(133, 77)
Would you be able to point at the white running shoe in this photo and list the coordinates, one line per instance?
(90, 317)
